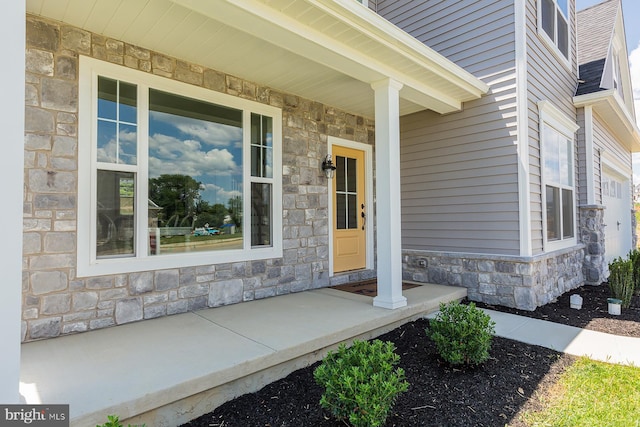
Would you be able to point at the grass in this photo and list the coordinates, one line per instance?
(591, 393)
(191, 238)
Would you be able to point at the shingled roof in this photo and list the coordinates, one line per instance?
(595, 30)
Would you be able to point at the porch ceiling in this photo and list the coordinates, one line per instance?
(325, 50)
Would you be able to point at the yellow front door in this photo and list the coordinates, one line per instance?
(349, 210)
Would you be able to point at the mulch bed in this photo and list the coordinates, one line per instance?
(494, 394)
(439, 395)
(593, 315)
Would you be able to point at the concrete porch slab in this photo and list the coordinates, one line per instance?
(164, 372)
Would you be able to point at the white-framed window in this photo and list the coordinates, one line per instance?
(173, 175)
(554, 25)
(617, 76)
(558, 177)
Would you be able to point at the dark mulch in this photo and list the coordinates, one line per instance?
(593, 315)
(494, 394)
(439, 395)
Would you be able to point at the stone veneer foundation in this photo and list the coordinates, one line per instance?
(521, 282)
(55, 301)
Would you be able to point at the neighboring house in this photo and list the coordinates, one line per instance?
(460, 143)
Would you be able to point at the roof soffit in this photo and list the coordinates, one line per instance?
(612, 109)
(329, 51)
(364, 46)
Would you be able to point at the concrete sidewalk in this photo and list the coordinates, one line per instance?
(166, 371)
(568, 339)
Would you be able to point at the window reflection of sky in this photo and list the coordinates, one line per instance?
(209, 152)
(558, 159)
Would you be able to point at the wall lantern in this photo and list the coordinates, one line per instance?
(328, 167)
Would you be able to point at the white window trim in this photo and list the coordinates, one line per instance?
(550, 115)
(553, 47)
(87, 263)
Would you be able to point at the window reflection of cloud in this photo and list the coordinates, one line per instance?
(220, 192)
(210, 133)
(172, 155)
(106, 152)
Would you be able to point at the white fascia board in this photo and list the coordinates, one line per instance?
(267, 23)
(377, 27)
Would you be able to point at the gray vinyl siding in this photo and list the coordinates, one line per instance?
(459, 171)
(604, 141)
(548, 78)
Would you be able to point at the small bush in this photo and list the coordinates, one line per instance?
(462, 333)
(114, 421)
(621, 282)
(360, 383)
(634, 256)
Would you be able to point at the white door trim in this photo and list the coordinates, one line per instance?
(368, 164)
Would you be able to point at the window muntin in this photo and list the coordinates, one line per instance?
(559, 184)
(102, 94)
(346, 193)
(117, 122)
(261, 180)
(554, 17)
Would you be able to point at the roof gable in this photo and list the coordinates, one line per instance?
(595, 30)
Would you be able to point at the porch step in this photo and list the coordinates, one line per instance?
(167, 371)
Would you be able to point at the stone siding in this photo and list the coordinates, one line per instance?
(592, 234)
(55, 301)
(520, 282)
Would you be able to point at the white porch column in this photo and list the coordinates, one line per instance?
(12, 31)
(389, 245)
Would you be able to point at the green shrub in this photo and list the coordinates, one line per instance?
(114, 421)
(360, 383)
(621, 282)
(462, 333)
(634, 256)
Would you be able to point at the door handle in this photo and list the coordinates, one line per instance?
(363, 215)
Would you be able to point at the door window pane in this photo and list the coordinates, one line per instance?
(340, 174)
(115, 229)
(341, 211)
(346, 193)
(352, 211)
(351, 175)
